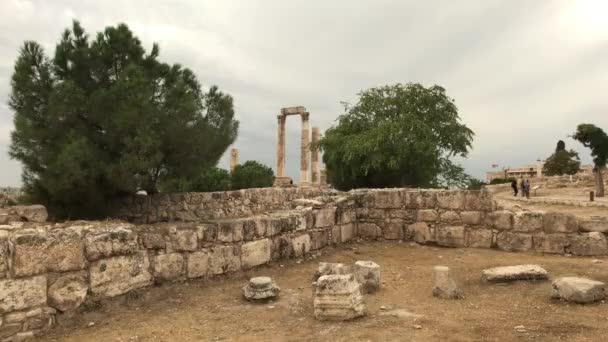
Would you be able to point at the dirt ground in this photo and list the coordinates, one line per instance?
(213, 310)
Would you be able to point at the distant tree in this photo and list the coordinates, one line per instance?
(103, 118)
(397, 135)
(501, 180)
(562, 162)
(596, 139)
(475, 184)
(251, 174)
(210, 179)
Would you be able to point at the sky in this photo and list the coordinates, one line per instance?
(523, 73)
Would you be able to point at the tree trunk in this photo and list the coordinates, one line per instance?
(599, 182)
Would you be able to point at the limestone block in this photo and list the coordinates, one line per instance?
(367, 274)
(472, 200)
(4, 256)
(152, 238)
(420, 199)
(420, 232)
(450, 217)
(393, 230)
(450, 236)
(427, 215)
(528, 221)
(224, 259)
(301, 245)
(379, 214)
(208, 231)
(282, 248)
(578, 290)
(588, 244)
(248, 230)
(479, 238)
(118, 240)
(167, 266)
(554, 222)
(231, 231)
(513, 273)
(327, 268)
(348, 216)
(198, 264)
(390, 199)
(338, 297)
(255, 253)
(68, 291)
(471, 218)
(597, 225)
(261, 288)
(443, 285)
(31, 213)
(551, 243)
(182, 238)
(120, 274)
(453, 200)
(514, 242)
(501, 220)
(24, 293)
(10, 331)
(347, 232)
(261, 227)
(319, 239)
(325, 217)
(369, 230)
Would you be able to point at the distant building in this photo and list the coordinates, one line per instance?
(527, 171)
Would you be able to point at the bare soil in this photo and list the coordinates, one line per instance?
(213, 310)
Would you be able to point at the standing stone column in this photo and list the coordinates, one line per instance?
(234, 159)
(314, 158)
(281, 146)
(304, 150)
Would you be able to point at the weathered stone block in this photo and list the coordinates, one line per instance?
(393, 230)
(479, 238)
(600, 226)
(403, 214)
(20, 294)
(347, 232)
(589, 244)
(224, 259)
(443, 285)
(117, 275)
(319, 239)
(301, 245)
(513, 273)
(325, 217)
(120, 240)
(528, 221)
(198, 264)
(367, 274)
(68, 291)
(387, 199)
(551, 243)
(281, 247)
(578, 290)
(4, 256)
(420, 199)
(450, 217)
(32, 213)
(471, 218)
(168, 266)
(453, 200)
(182, 238)
(327, 268)
(336, 232)
(554, 222)
(255, 253)
(514, 242)
(369, 230)
(231, 231)
(152, 238)
(427, 215)
(348, 216)
(450, 236)
(472, 200)
(420, 232)
(338, 297)
(501, 220)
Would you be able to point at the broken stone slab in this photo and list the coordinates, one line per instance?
(367, 274)
(443, 285)
(578, 290)
(327, 268)
(513, 273)
(260, 288)
(338, 297)
(32, 213)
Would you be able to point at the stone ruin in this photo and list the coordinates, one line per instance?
(338, 297)
(261, 289)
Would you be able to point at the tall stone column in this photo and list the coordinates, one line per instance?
(314, 158)
(281, 146)
(304, 150)
(234, 158)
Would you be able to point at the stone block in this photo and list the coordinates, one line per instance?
(367, 274)
(528, 221)
(597, 225)
(4, 257)
(369, 230)
(348, 216)
(450, 236)
(443, 285)
(588, 244)
(338, 298)
(103, 243)
(578, 290)
(10, 331)
(24, 293)
(31, 213)
(168, 266)
(68, 291)
(120, 274)
(471, 218)
(327, 268)
(152, 238)
(198, 264)
(347, 232)
(450, 217)
(453, 200)
(182, 238)
(301, 245)
(514, 242)
(255, 253)
(420, 232)
(231, 231)
(390, 199)
(554, 222)
(319, 239)
(224, 259)
(513, 273)
(501, 220)
(403, 214)
(420, 199)
(427, 215)
(282, 247)
(325, 217)
(261, 289)
(472, 201)
(479, 238)
(393, 230)
(551, 243)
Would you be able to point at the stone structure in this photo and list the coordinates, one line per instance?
(234, 159)
(578, 290)
(281, 179)
(323, 178)
(23, 213)
(260, 288)
(443, 285)
(367, 274)
(315, 176)
(513, 273)
(327, 268)
(338, 298)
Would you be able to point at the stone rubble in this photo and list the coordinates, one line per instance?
(261, 288)
(327, 268)
(578, 290)
(513, 273)
(338, 297)
(443, 285)
(367, 274)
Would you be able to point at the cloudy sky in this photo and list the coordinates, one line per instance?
(523, 73)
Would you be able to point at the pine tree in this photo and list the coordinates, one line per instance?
(562, 162)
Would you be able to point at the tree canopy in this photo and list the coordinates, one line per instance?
(210, 179)
(596, 139)
(562, 162)
(397, 135)
(104, 118)
(251, 174)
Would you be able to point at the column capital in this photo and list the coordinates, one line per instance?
(305, 116)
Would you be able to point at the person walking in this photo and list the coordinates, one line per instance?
(514, 186)
(522, 186)
(527, 188)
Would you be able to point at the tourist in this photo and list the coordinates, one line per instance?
(522, 185)
(527, 188)
(514, 186)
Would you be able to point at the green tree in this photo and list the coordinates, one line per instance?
(397, 135)
(251, 174)
(596, 139)
(103, 118)
(562, 162)
(475, 184)
(210, 179)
